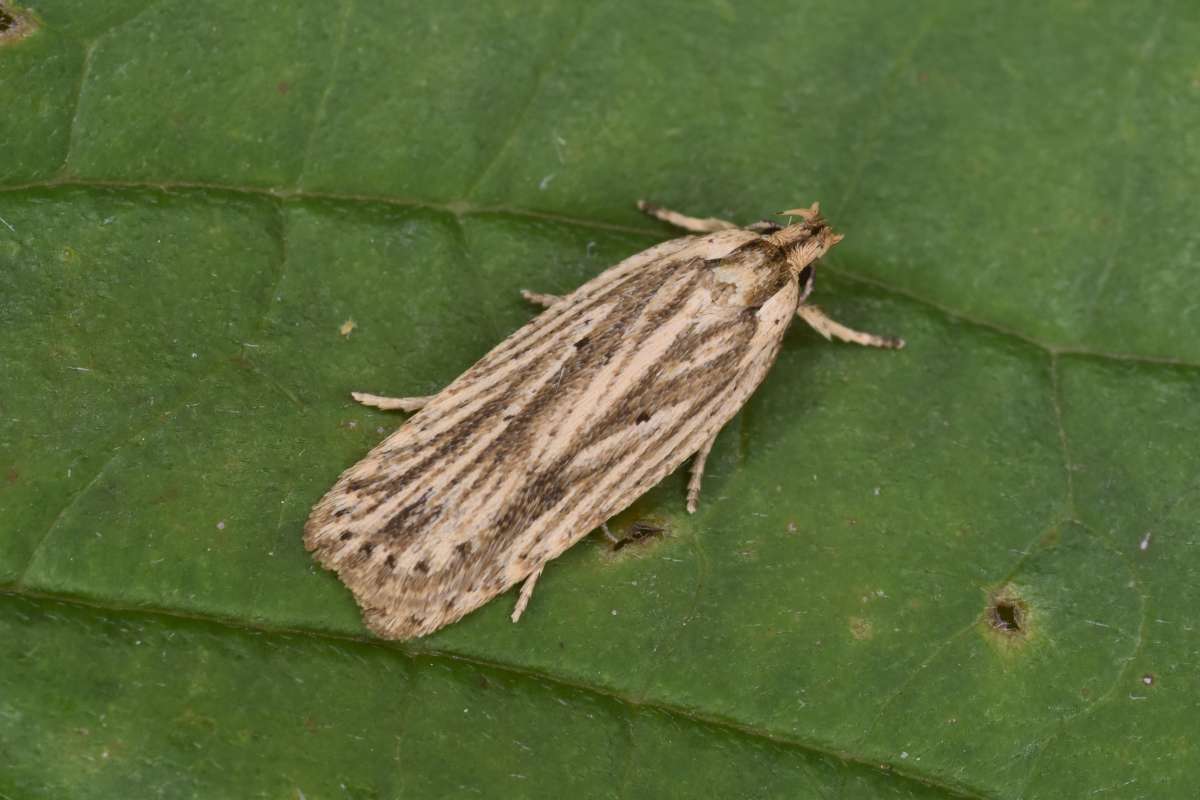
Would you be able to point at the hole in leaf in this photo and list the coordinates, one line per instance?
(638, 531)
(1008, 614)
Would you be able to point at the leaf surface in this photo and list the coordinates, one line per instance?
(968, 568)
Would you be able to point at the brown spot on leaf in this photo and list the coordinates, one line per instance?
(15, 24)
(282, 87)
(168, 495)
(1009, 617)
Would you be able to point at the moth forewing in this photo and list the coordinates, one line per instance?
(563, 424)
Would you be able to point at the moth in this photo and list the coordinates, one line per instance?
(568, 421)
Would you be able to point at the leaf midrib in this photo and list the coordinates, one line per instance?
(462, 209)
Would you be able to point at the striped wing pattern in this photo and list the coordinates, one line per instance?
(558, 428)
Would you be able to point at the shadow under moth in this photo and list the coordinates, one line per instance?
(568, 421)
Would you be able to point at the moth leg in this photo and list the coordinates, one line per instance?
(607, 533)
(526, 592)
(832, 329)
(693, 224)
(392, 403)
(539, 299)
(693, 492)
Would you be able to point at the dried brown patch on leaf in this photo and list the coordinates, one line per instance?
(15, 23)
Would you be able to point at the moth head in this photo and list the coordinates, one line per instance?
(803, 242)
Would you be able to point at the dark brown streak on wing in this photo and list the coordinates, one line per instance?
(653, 391)
(546, 488)
(414, 516)
(546, 325)
(771, 264)
(439, 449)
(542, 491)
(446, 442)
(711, 398)
(513, 444)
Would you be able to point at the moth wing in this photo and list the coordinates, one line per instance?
(555, 430)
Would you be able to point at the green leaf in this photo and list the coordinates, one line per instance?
(968, 568)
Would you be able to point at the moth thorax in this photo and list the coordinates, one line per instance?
(803, 244)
